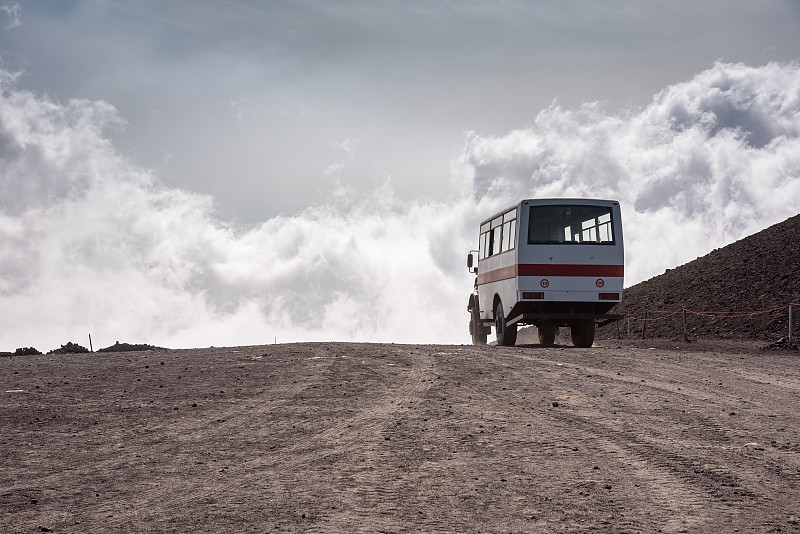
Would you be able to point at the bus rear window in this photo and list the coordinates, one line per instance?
(556, 225)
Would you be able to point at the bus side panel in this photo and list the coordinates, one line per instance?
(506, 288)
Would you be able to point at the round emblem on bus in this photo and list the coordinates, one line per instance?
(545, 282)
(600, 282)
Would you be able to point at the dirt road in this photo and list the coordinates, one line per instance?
(399, 438)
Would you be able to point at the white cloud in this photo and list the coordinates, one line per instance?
(92, 243)
(13, 13)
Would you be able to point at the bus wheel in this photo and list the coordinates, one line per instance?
(547, 334)
(506, 334)
(476, 329)
(583, 333)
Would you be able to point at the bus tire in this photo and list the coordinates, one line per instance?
(583, 333)
(476, 329)
(547, 334)
(506, 334)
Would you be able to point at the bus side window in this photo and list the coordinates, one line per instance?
(512, 234)
(509, 230)
(496, 234)
(509, 234)
(496, 239)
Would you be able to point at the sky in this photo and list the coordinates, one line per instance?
(189, 173)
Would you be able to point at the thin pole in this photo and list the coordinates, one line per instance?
(644, 324)
(684, 324)
(92, 349)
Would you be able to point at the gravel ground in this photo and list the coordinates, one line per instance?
(628, 436)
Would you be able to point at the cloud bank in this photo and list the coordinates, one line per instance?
(90, 242)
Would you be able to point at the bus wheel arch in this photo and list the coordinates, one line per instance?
(495, 302)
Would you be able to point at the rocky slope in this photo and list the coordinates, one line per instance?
(722, 291)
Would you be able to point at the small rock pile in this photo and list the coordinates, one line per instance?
(782, 343)
(24, 351)
(127, 347)
(69, 348)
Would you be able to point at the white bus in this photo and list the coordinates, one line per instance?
(549, 263)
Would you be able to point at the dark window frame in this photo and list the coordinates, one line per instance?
(562, 217)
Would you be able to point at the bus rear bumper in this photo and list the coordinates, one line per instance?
(600, 319)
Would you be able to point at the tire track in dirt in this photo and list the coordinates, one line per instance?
(701, 472)
(153, 457)
(370, 480)
(232, 425)
(346, 441)
(575, 426)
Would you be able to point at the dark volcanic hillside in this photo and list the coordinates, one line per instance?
(725, 285)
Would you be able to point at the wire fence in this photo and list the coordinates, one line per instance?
(653, 316)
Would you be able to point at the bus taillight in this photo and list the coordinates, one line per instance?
(535, 295)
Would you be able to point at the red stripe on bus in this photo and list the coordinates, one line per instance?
(549, 269)
(498, 274)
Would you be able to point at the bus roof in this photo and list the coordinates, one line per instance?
(552, 201)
